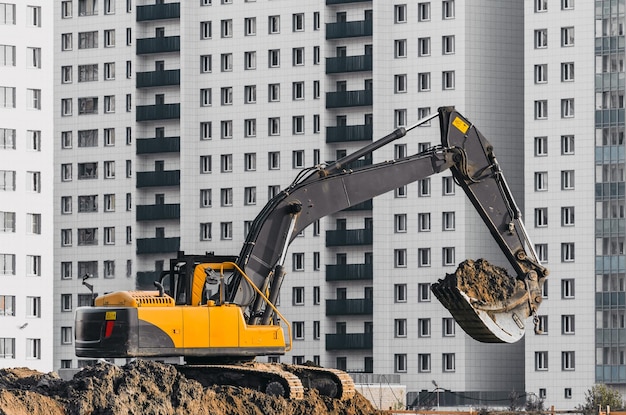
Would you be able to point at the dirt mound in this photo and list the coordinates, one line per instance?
(484, 282)
(146, 387)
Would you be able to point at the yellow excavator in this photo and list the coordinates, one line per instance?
(218, 312)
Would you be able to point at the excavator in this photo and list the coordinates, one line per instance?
(218, 312)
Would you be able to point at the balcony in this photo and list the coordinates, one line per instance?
(349, 133)
(145, 280)
(158, 45)
(341, 30)
(349, 237)
(158, 178)
(158, 212)
(341, 99)
(349, 64)
(367, 205)
(158, 78)
(158, 12)
(158, 145)
(352, 307)
(158, 245)
(331, 2)
(158, 112)
(349, 341)
(349, 272)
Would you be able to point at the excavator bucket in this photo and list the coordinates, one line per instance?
(488, 304)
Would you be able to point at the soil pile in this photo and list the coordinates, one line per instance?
(484, 282)
(145, 387)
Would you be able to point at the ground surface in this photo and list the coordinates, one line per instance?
(145, 388)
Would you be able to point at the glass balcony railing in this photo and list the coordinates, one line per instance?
(354, 306)
(157, 245)
(157, 112)
(158, 145)
(158, 45)
(158, 78)
(349, 64)
(348, 237)
(158, 212)
(158, 178)
(349, 133)
(349, 341)
(349, 29)
(349, 272)
(342, 99)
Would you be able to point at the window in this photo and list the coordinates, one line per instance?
(226, 28)
(226, 196)
(109, 104)
(227, 62)
(423, 362)
(227, 95)
(206, 63)
(316, 330)
(567, 108)
(316, 130)
(567, 72)
(273, 160)
(273, 24)
(87, 236)
(273, 93)
(448, 362)
(448, 327)
(400, 192)
(567, 360)
(423, 257)
(109, 6)
(33, 181)
(206, 130)
(423, 222)
(129, 230)
(400, 327)
(249, 24)
(542, 326)
(541, 38)
(541, 181)
(423, 44)
(226, 128)
(423, 12)
(316, 55)
(399, 118)
(206, 30)
(205, 231)
(316, 295)
(298, 159)
(7, 180)
(66, 9)
(423, 327)
(400, 362)
(567, 216)
(448, 219)
(567, 36)
(33, 350)
(274, 126)
(542, 252)
(7, 55)
(87, 40)
(541, 73)
(7, 264)
(447, 185)
(400, 13)
(298, 330)
(422, 113)
(7, 138)
(448, 80)
(400, 293)
(448, 256)
(87, 138)
(249, 127)
(33, 223)
(109, 269)
(66, 237)
(87, 171)
(400, 48)
(541, 6)
(541, 146)
(567, 179)
(567, 4)
(298, 22)
(400, 223)
(298, 56)
(316, 89)
(109, 202)
(423, 292)
(33, 140)
(274, 58)
(33, 56)
(423, 81)
(400, 83)
(109, 235)
(298, 296)
(205, 198)
(447, 9)
(88, 105)
(66, 41)
(567, 252)
(249, 196)
(87, 7)
(7, 97)
(298, 90)
(567, 288)
(567, 324)
(88, 73)
(249, 59)
(400, 258)
(66, 335)
(423, 187)
(7, 305)
(7, 221)
(205, 164)
(448, 47)
(109, 38)
(541, 217)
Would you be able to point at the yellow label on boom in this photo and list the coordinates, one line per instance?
(460, 124)
(110, 315)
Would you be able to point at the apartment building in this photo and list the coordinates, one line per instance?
(176, 122)
(26, 216)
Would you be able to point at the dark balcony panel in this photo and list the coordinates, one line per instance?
(158, 78)
(158, 145)
(158, 45)
(158, 12)
(158, 178)
(158, 112)
(355, 306)
(349, 29)
(158, 212)
(349, 341)
(349, 64)
(349, 272)
(145, 280)
(331, 2)
(349, 237)
(342, 99)
(349, 133)
(367, 205)
(157, 245)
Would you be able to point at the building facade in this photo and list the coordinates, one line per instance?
(26, 215)
(176, 122)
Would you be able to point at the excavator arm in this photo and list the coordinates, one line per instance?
(328, 189)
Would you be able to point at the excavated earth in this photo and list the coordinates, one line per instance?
(145, 388)
(483, 281)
